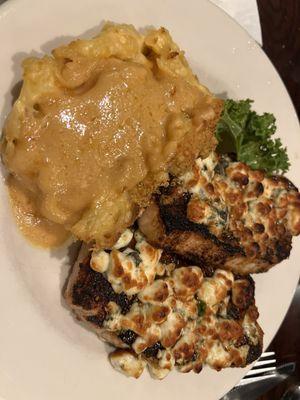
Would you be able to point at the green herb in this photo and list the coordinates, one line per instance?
(242, 131)
(201, 307)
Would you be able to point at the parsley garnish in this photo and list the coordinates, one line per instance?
(201, 307)
(242, 131)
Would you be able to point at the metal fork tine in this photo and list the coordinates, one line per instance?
(267, 354)
(266, 375)
(266, 363)
(260, 371)
(260, 362)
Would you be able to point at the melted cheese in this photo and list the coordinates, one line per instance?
(214, 290)
(156, 293)
(169, 310)
(186, 281)
(128, 271)
(124, 239)
(127, 363)
(161, 367)
(255, 208)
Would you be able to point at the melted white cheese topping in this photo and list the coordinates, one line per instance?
(169, 310)
(130, 270)
(256, 208)
(127, 363)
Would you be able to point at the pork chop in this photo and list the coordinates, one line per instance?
(222, 214)
(159, 312)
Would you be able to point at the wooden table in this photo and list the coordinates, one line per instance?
(280, 22)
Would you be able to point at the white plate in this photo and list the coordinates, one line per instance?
(44, 355)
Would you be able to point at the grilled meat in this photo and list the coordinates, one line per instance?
(159, 312)
(88, 294)
(222, 214)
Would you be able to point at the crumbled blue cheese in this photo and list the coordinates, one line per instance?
(99, 261)
(129, 271)
(162, 366)
(166, 311)
(124, 239)
(151, 336)
(128, 363)
(214, 290)
(186, 281)
(156, 293)
(218, 356)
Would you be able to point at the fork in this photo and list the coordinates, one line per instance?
(262, 377)
(265, 364)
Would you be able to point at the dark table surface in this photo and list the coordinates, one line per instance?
(280, 22)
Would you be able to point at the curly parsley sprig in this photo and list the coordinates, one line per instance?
(242, 131)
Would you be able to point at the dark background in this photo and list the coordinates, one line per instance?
(280, 23)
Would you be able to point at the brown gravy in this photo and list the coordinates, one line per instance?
(38, 230)
(89, 146)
